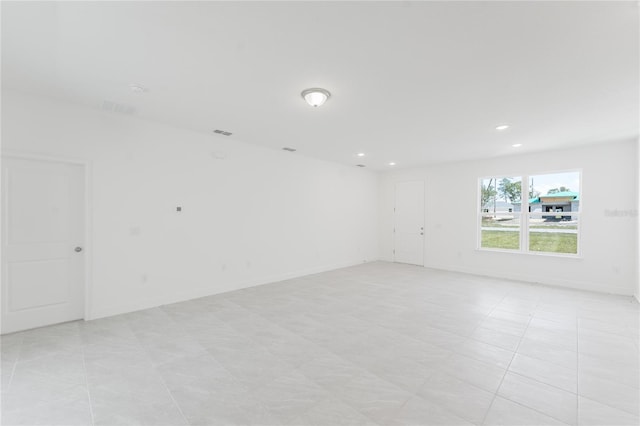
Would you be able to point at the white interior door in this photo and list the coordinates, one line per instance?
(409, 223)
(42, 243)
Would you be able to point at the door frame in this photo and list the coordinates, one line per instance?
(424, 218)
(88, 226)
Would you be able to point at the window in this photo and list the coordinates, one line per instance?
(500, 222)
(545, 221)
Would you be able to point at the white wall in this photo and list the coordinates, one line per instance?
(608, 244)
(637, 214)
(256, 216)
(260, 215)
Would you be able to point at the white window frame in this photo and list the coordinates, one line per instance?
(480, 213)
(525, 215)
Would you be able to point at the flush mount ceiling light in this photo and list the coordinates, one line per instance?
(392, 163)
(316, 96)
(136, 88)
(516, 145)
(360, 154)
(502, 127)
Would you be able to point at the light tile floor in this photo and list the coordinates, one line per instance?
(376, 344)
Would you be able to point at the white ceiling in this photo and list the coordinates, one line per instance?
(412, 82)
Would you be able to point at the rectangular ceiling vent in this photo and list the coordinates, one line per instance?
(222, 132)
(118, 107)
(360, 165)
(289, 149)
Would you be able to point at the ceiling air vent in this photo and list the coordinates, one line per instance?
(289, 149)
(117, 107)
(360, 165)
(222, 132)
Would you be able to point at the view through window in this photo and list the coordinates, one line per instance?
(549, 222)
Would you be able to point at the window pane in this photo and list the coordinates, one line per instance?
(553, 233)
(500, 231)
(555, 192)
(500, 195)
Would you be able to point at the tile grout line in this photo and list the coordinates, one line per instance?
(551, 386)
(487, 316)
(538, 381)
(467, 338)
(577, 370)
(13, 371)
(144, 349)
(224, 367)
(577, 386)
(15, 364)
(337, 355)
(515, 352)
(172, 398)
(578, 396)
(86, 383)
(453, 351)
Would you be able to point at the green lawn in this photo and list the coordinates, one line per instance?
(538, 241)
(501, 240)
(554, 243)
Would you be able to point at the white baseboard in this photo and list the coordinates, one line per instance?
(148, 303)
(153, 302)
(548, 281)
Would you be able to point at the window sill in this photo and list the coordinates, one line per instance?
(531, 253)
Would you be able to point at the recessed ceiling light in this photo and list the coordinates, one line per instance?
(516, 145)
(502, 127)
(361, 154)
(316, 96)
(392, 163)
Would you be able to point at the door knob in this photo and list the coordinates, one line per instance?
(78, 249)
